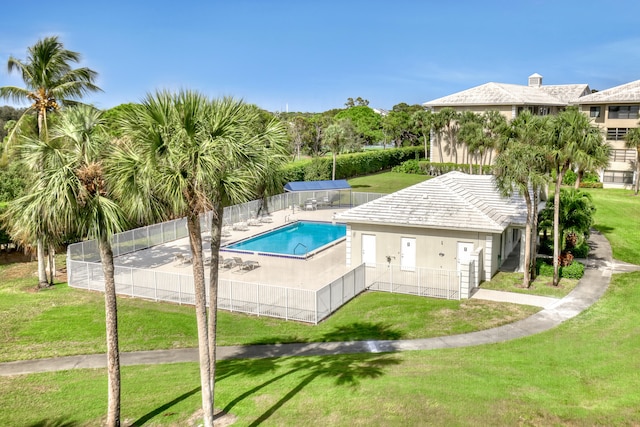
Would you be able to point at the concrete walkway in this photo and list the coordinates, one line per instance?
(600, 266)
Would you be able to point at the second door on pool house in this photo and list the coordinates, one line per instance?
(408, 254)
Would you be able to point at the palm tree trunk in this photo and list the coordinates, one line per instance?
(526, 281)
(440, 148)
(556, 226)
(111, 314)
(579, 176)
(216, 237)
(52, 264)
(534, 234)
(42, 271)
(333, 174)
(195, 241)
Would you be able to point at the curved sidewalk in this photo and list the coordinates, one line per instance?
(600, 266)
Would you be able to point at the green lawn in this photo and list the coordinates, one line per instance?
(65, 321)
(385, 182)
(583, 372)
(580, 373)
(618, 218)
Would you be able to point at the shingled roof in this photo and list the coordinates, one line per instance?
(512, 94)
(629, 92)
(454, 201)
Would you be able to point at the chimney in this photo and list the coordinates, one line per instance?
(535, 80)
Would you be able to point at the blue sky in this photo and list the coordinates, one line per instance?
(305, 55)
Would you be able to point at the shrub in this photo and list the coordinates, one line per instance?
(410, 166)
(569, 178)
(573, 271)
(580, 251)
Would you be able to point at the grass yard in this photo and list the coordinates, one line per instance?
(385, 182)
(64, 321)
(580, 373)
(618, 217)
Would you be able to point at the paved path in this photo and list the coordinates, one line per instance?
(600, 266)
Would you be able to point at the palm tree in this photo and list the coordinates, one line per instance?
(335, 138)
(632, 140)
(521, 167)
(73, 196)
(422, 121)
(592, 155)
(448, 122)
(567, 136)
(50, 82)
(187, 155)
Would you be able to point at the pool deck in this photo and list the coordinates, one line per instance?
(312, 273)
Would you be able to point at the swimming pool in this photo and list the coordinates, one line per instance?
(300, 239)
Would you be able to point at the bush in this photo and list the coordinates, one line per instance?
(569, 178)
(410, 166)
(590, 184)
(573, 271)
(580, 251)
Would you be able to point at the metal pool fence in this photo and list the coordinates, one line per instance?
(252, 298)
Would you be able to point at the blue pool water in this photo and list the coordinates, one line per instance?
(297, 239)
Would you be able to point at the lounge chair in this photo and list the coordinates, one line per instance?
(266, 219)
(182, 259)
(225, 232)
(240, 226)
(246, 265)
(226, 263)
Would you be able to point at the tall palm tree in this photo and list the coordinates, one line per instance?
(632, 140)
(593, 154)
(335, 138)
(567, 136)
(187, 155)
(521, 167)
(50, 82)
(422, 120)
(73, 196)
(448, 121)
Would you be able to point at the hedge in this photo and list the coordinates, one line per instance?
(350, 165)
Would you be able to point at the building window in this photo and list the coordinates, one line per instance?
(623, 111)
(623, 155)
(594, 112)
(616, 134)
(618, 177)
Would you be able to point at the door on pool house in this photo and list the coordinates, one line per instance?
(408, 254)
(464, 253)
(369, 250)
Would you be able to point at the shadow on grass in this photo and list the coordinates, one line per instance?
(54, 423)
(347, 369)
(160, 409)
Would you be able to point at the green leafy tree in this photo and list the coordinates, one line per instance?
(632, 140)
(367, 123)
(50, 82)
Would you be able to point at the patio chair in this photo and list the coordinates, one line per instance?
(249, 265)
(225, 232)
(226, 262)
(266, 219)
(182, 259)
(240, 226)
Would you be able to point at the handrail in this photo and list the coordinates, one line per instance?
(306, 250)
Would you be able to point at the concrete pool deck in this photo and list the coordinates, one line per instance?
(312, 273)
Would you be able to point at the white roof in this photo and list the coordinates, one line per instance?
(454, 201)
(626, 93)
(511, 94)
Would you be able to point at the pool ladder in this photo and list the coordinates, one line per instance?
(306, 250)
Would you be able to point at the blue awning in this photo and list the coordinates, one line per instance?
(338, 184)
